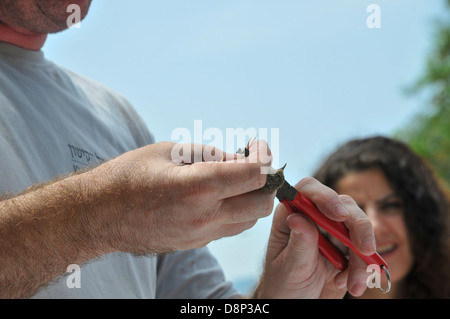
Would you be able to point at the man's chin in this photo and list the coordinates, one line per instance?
(55, 19)
(48, 29)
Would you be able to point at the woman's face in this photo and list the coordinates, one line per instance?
(385, 209)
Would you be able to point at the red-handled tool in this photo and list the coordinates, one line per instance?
(295, 202)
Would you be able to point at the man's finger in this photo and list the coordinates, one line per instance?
(235, 229)
(341, 208)
(360, 227)
(326, 199)
(357, 275)
(225, 180)
(234, 177)
(302, 249)
(260, 153)
(198, 153)
(246, 207)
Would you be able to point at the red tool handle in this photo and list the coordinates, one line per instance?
(334, 228)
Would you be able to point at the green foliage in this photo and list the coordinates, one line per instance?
(429, 134)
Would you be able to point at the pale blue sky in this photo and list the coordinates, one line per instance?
(311, 69)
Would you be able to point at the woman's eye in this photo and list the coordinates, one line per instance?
(392, 207)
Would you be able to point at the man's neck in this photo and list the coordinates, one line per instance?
(21, 37)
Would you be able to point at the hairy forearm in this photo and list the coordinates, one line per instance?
(44, 230)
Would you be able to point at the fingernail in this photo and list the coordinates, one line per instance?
(340, 283)
(358, 289)
(369, 244)
(296, 232)
(341, 211)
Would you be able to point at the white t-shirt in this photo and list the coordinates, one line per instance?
(53, 122)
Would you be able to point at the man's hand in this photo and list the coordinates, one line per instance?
(161, 206)
(295, 268)
(140, 202)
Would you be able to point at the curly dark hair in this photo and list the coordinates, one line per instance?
(426, 206)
